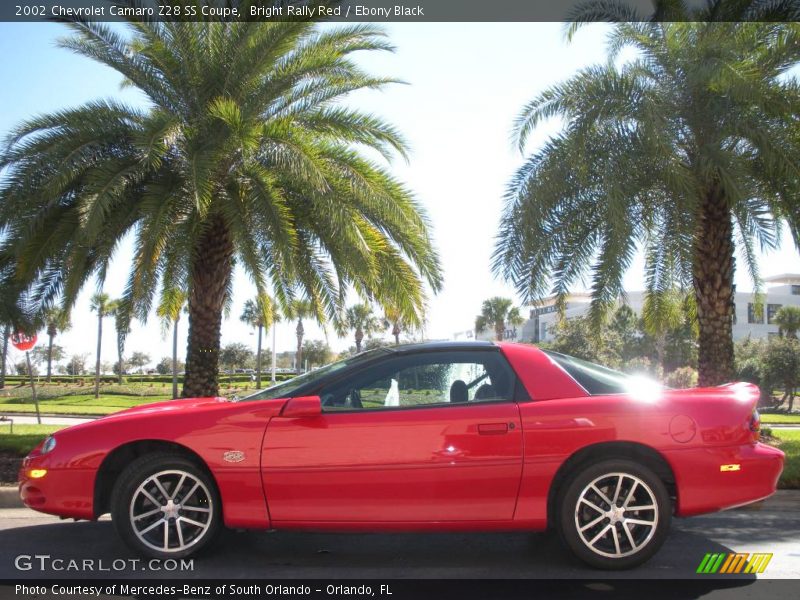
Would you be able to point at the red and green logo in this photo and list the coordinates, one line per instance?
(731, 563)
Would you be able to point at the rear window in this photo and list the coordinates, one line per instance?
(593, 378)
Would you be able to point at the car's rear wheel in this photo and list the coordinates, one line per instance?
(615, 514)
(165, 506)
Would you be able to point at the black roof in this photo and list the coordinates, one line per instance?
(441, 345)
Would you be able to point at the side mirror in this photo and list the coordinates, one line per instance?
(304, 406)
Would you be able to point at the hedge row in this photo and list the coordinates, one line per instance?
(111, 379)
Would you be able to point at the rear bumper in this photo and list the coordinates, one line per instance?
(709, 480)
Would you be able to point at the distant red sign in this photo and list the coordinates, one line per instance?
(23, 341)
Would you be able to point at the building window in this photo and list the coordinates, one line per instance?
(754, 316)
(796, 290)
(772, 309)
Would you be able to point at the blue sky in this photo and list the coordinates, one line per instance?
(466, 83)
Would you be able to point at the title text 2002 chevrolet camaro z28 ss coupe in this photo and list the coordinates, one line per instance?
(429, 437)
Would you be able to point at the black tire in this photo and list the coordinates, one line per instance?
(130, 498)
(620, 549)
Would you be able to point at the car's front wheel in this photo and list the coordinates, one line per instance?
(165, 506)
(615, 514)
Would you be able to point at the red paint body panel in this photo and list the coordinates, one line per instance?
(207, 427)
(704, 488)
(481, 466)
(427, 464)
(542, 378)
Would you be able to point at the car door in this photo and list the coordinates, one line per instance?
(416, 437)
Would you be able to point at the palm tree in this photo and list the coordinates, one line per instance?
(788, 320)
(122, 326)
(680, 150)
(172, 304)
(665, 311)
(393, 318)
(362, 321)
(245, 154)
(722, 11)
(259, 313)
(300, 308)
(6, 337)
(498, 313)
(102, 304)
(12, 311)
(56, 321)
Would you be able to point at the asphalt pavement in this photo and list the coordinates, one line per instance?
(774, 527)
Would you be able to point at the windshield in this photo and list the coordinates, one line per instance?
(288, 388)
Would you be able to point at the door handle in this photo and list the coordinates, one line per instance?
(492, 428)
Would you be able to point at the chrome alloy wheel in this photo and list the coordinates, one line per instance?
(616, 515)
(171, 511)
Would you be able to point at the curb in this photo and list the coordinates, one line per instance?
(53, 415)
(9, 497)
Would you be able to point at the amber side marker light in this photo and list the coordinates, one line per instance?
(734, 467)
(37, 473)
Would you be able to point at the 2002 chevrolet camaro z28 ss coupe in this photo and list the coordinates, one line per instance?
(428, 437)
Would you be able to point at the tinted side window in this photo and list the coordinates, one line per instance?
(593, 378)
(421, 379)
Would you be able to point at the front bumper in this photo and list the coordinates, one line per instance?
(717, 478)
(63, 492)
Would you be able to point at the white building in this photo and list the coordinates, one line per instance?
(780, 290)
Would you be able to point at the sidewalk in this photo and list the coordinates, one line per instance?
(48, 419)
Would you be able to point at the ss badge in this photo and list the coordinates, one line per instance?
(233, 456)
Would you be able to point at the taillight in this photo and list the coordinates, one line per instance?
(755, 425)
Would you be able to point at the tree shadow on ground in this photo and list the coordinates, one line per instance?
(302, 555)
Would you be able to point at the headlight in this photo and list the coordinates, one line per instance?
(49, 444)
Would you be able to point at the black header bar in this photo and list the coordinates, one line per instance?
(413, 11)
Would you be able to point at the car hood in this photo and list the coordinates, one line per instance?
(169, 406)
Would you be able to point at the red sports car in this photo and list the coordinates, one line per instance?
(435, 437)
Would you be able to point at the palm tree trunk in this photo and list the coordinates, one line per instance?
(211, 271)
(396, 334)
(120, 352)
(359, 338)
(300, 331)
(175, 358)
(97, 364)
(713, 285)
(49, 356)
(258, 358)
(6, 336)
(661, 354)
(499, 331)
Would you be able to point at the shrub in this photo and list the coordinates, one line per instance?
(641, 365)
(683, 377)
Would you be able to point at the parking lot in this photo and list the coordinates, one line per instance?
(773, 527)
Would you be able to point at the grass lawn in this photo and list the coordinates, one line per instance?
(25, 437)
(790, 444)
(78, 404)
(780, 418)
(76, 399)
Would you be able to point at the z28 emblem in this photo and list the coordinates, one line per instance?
(233, 456)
